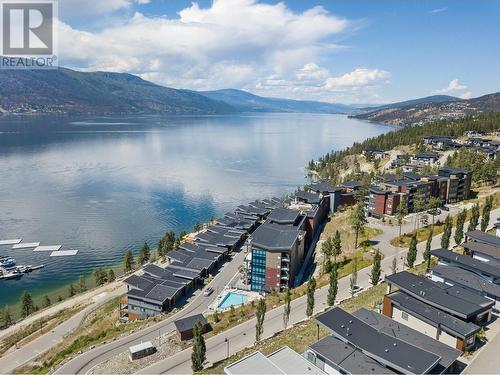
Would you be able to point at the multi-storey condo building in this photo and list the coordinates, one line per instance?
(459, 183)
(277, 250)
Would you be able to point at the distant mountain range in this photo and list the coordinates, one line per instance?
(247, 102)
(72, 92)
(432, 108)
(66, 91)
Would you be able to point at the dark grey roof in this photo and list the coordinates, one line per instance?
(187, 323)
(387, 350)
(351, 184)
(283, 216)
(323, 187)
(483, 248)
(200, 264)
(347, 357)
(178, 256)
(449, 170)
(433, 316)
(392, 328)
(155, 271)
(217, 239)
(467, 279)
(138, 282)
(184, 274)
(308, 197)
(452, 299)
(253, 209)
(412, 176)
(162, 293)
(426, 155)
(467, 262)
(275, 237)
(487, 238)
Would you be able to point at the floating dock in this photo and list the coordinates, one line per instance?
(63, 253)
(26, 245)
(10, 242)
(48, 248)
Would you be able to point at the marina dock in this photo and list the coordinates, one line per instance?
(26, 245)
(48, 248)
(63, 253)
(10, 242)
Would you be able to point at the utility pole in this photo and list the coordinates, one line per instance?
(227, 340)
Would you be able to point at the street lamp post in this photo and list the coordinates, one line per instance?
(227, 340)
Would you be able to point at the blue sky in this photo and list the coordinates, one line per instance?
(352, 51)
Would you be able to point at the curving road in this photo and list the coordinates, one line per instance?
(196, 304)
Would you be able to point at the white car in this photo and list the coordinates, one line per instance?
(208, 291)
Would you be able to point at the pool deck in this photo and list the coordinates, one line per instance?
(250, 296)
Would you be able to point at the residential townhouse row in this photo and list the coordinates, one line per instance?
(423, 326)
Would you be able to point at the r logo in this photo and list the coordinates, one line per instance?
(27, 28)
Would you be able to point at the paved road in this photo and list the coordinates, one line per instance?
(196, 304)
(488, 359)
(243, 335)
(28, 352)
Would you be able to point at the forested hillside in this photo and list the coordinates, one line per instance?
(330, 165)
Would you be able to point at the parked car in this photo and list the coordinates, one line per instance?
(445, 208)
(208, 291)
(434, 212)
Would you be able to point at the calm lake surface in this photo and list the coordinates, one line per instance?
(104, 185)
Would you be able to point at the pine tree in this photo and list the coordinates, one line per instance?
(71, 290)
(394, 265)
(198, 355)
(358, 221)
(311, 288)
(111, 275)
(128, 261)
(459, 231)
(100, 276)
(337, 246)
(82, 285)
(474, 218)
(411, 256)
(27, 305)
(260, 314)
(6, 317)
(401, 212)
(287, 308)
(376, 269)
(333, 287)
(46, 301)
(327, 249)
(427, 252)
(485, 218)
(445, 239)
(144, 254)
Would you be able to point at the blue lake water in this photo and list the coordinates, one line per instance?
(104, 185)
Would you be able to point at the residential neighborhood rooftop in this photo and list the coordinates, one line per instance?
(483, 248)
(467, 262)
(480, 236)
(390, 327)
(467, 279)
(452, 299)
(433, 315)
(388, 350)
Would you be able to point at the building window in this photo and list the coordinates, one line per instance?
(404, 315)
(258, 278)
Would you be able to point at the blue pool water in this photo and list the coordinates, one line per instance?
(232, 299)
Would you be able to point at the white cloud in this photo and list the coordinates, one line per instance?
(315, 82)
(455, 88)
(79, 8)
(264, 48)
(438, 10)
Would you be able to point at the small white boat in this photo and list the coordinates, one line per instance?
(12, 276)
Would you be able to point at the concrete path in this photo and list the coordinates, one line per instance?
(243, 335)
(487, 361)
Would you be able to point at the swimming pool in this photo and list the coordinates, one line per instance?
(232, 299)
